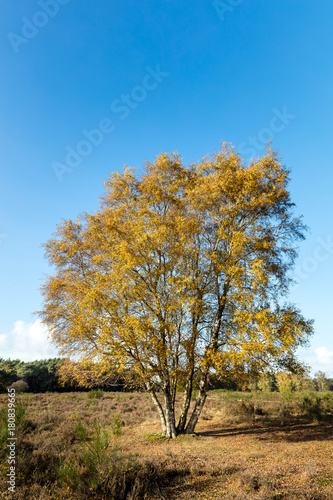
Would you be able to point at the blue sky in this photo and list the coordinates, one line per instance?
(133, 79)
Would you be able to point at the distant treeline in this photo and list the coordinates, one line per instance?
(61, 375)
(44, 376)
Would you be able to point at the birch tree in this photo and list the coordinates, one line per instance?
(183, 270)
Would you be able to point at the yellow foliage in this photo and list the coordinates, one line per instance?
(180, 270)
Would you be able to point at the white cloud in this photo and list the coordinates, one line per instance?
(27, 342)
(320, 359)
(324, 356)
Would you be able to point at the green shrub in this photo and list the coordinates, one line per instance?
(95, 394)
(313, 408)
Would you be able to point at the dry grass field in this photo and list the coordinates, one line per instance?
(107, 445)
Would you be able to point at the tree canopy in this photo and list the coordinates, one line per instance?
(183, 270)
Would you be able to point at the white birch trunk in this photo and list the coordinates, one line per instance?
(169, 415)
(185, 405)
(199, 403)
(159, 408)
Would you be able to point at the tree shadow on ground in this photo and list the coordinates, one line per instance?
(194, 487)
(293, 431)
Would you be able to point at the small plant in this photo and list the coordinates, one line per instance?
(84, 468)
(80, 431)
(95, 394)
(95, 451)
(156, 437)
(21, 422)
(116, 426)
(68, 474)
(104, 472)
(4, 432)
(20, 425)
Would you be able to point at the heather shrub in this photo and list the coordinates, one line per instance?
(20, 386)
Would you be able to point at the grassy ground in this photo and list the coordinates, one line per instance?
(261, 446)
